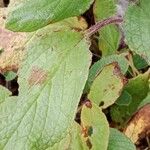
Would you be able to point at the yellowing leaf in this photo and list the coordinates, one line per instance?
(73, 141)
(104, 61)
(107, 86)
(139, 125)
(95, 127)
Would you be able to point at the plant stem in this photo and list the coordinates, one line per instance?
(93, 29)
(131, 63)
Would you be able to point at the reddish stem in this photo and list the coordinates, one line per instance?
(93, 29)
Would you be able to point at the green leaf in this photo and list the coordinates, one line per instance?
(145, 101)
(10, 75)
(109, 40)
(7, 109)
(107, 86)
(4, 93)
(104, 9)
(76, 139)
(51, 79)
(31, 15)
(138, 89)
(95, 124)
(124, 99)
(7, 106)
(120, 141)
(136, 28)
(139, 62)
(99, 65)
(73, 141)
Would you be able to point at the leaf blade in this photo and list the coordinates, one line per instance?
(52, 78)
(24, 15)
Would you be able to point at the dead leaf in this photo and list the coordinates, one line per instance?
(1, 3)
(3, 13)
(11, 46)
(139, 126)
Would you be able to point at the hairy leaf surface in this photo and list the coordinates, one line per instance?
(51, 81)
(107, 86)
(99, 65)
(137, 31)
(95, 126)
(31, 15)
(120, 141)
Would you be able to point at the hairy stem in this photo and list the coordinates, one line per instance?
(93, 29)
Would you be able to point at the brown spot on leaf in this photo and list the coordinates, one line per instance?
(77, 29)
(117, 70)
(89, 144)
(118, 73)
(85, 131)
(105, 90)
(101, 104)
(38, 76)
(88, 104)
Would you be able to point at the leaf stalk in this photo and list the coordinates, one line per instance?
(93, 29)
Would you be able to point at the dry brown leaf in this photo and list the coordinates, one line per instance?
(1, 3)
(139, 126)
(3, 12)
(11, 46)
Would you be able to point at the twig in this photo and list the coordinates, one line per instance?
(93, 29)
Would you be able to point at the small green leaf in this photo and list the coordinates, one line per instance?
(104, 9)
(136, 28)
(93, 119)
(10, 75)
(124, 99)
(99, 65)
(145, 101)
(139, 62)
(31, 15)
(109, 40)
(119, 141)
(107, 86)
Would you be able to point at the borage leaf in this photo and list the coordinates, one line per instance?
(137, 89)
(107, 86)
(120, 141)
(136, 26)
(95, 127)
(31, 15)
(99, 65)
(51, 81)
